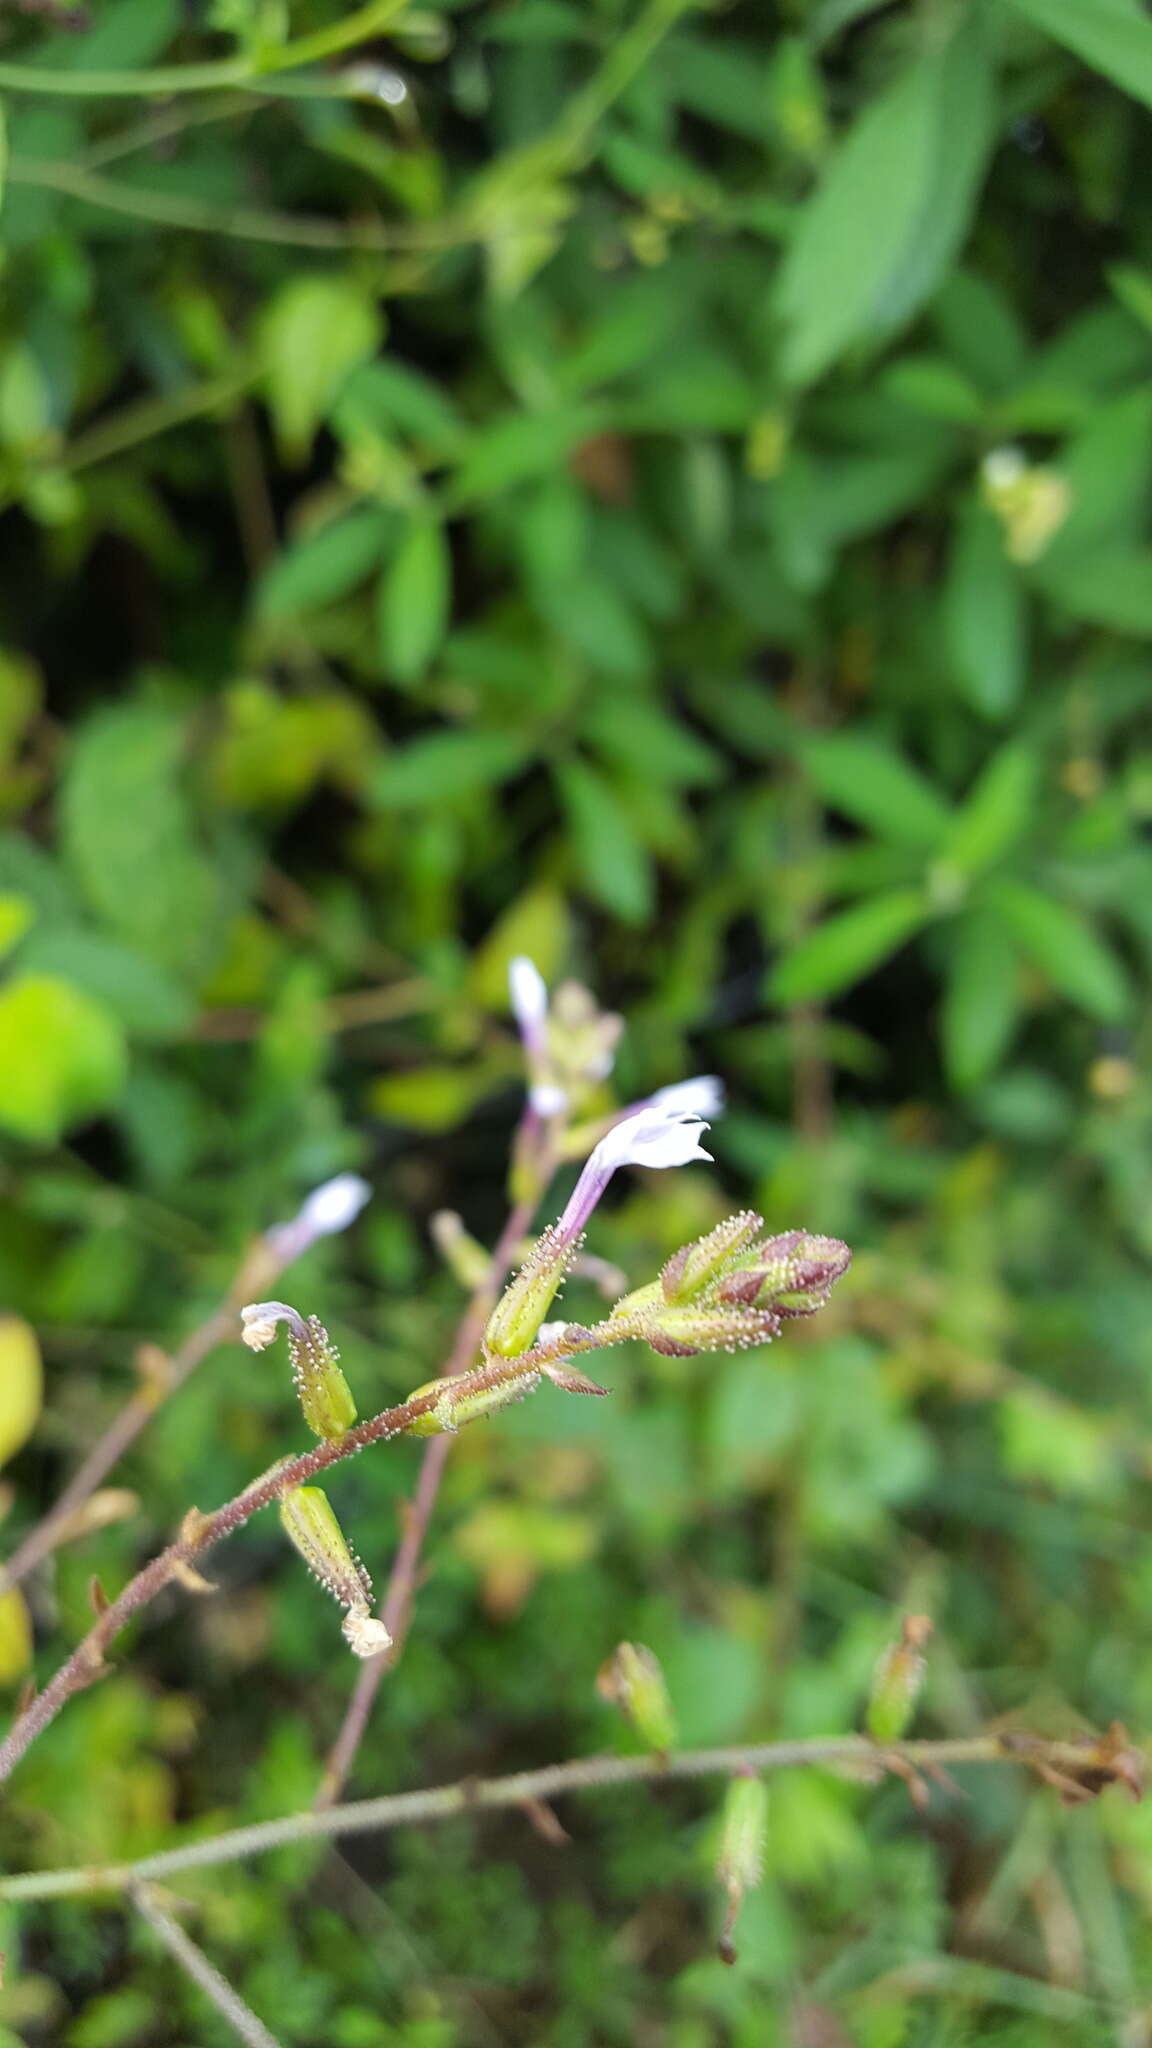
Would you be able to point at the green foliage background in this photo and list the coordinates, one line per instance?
(567, 509)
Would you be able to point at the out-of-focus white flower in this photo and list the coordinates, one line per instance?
(329, 1209)
(528, 992)
(702, 1096)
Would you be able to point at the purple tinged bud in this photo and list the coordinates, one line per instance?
(794, 1273)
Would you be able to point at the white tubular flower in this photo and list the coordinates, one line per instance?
(329, 1209)
(702, 1096)
(528, 994)
(655, 1136)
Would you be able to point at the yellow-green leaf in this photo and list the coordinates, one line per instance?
(15, 1637)
(21, 1384)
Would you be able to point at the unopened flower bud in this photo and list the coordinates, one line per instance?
(515, 1321)
(897, 1679)
(465, 1258)
(309, 1521)
(691, 1269)
(740, 1864)
(793, 1274)
(633, 1681)
(679, 1332)
(461, 1400)
(325, 1396)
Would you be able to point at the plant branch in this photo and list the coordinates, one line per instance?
(258, 1269)
(195, 1964)
(257, 74)
(581, 1774)
(172, 210)
(396, 1607)
(200, 1533)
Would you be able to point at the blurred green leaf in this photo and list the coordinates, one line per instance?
(609, 860)
(1065, 948)
(891, 209)
(984, 614)
(312, 335)
(997, 813)
(127, 830)
(61, 1056)
(981, 998)
(413, 601)
(1113, 35)
(445, 767)
(873, 784)
(324, 564)
(847, 946)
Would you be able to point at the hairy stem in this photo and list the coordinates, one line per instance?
(200, 1533)
(195, 1964)
(396, 1607)
(481, 1795)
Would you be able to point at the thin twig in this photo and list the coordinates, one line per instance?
(360, 1006)
(398, 1594)
(195, 1964)
(553, 1781)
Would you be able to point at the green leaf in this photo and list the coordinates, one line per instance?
(610, 861)
(981, 997)
(525, 444)
(892, 209)
(61, 1056)
(985, 617)
(313, 334)
(413, 602)
(138, 992)
(874, 785)
(444, 767)
(1065, 949)
(324, 564)
(846, 947)
(1114, 36)
(1113, 589)
(16, 915)
(128, 834)
(997, 812)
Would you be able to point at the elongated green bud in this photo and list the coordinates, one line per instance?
(740, 1864)
(324, 1393)
(309, 1521)
(517, 1316)
(633, 1681)
(897, 1680)
(460, 1401)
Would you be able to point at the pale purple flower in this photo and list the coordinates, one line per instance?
(329, 1209)
(656, 1136)
(702, 1096)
